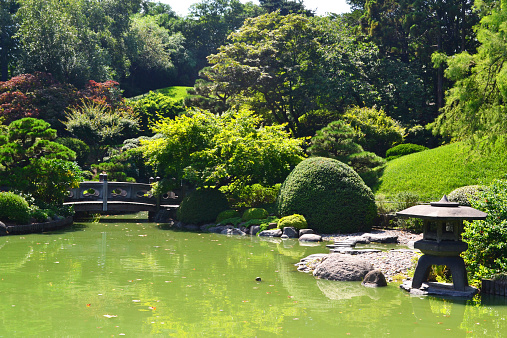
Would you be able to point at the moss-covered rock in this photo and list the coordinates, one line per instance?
(14, 208)
(329, 194)
(294, 221)
(202, 206)
(254, 213)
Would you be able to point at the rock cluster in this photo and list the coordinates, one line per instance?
(304, 235)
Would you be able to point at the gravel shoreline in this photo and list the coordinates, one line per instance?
(394, 264)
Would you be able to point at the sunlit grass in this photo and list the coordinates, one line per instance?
(435, 172)
(177, 92)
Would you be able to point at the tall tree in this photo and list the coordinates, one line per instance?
(286, 7)
(476, 104)
(8, 43)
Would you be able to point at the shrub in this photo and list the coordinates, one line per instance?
(14, 208)
(250, 196)
(227, 214)
(233, 221)
(79, 147)
(464, 195)
(378, 132)
(254, 213)
(202, 206)
(295, 221)
(329, 194)
(487, 239)
(403, 149)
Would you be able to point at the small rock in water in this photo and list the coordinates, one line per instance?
(258, 279)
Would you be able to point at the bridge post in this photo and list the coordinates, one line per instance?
(103, 179)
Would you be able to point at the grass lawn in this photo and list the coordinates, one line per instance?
(435, 172)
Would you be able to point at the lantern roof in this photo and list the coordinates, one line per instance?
(442, 209)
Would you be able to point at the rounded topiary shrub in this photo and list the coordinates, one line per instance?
(226, 214)
(14, 208)
(403, 149)
(202, 206)
(464, 195)
(254, 213)
(329, 194)
(295, 221)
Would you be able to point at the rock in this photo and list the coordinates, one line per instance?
(164, 216)
(254, 229)
(232, 232)
(382, 238)
(284, 236)
(290, 232)
(218, 229)
(305, 232)
(374, 279)
(271, 233)
(308, 264)
(258, 279)
(310, 238)
(272, 225)
(343, 268)
(3, 229)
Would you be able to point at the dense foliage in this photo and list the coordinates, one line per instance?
(211, 150)
(487, 239)
(254, 213)
(14, 208)
(329, 194)
(465, 195)
(202, 206)
(32, 162)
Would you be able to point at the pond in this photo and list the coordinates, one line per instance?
(128, 277)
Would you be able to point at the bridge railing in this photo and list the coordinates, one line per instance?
(121, 191)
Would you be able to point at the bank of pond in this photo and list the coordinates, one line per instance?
(122, 275)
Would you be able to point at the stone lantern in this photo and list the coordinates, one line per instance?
(441, 243)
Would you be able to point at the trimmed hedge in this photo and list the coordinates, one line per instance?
(295, 221)
(227, 214)
(330, 195)
(14, 208)
(202, 206)
(403, 149)
(254, 213)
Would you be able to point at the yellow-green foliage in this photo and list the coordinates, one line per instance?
(295, 221)
(435, 172)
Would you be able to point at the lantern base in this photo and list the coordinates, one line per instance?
(438, 289)
(455, 264)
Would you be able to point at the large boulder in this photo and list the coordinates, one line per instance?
(330, 195)
(374, 279)
(343, 268)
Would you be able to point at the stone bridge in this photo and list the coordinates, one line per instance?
(104, 196)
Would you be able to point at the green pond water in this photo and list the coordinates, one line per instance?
(128, 277)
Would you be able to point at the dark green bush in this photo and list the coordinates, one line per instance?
(254, 213)
(403, 149)
(14, 208)
(295, 221)
(81, 149)
(227, 214)
(487, 239)
(232, 221)
(329, 194)
(464, 195)
(202, 206)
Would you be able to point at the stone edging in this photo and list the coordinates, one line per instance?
(494, 287)
(39, 227)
